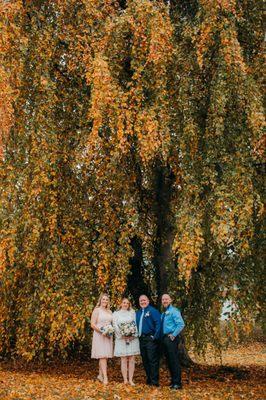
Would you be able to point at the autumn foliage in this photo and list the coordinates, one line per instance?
(123, 122)
(240, 377)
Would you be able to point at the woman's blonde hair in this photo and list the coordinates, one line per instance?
(130, 305)
(100, 299)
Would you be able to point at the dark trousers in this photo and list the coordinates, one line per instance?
(171, 353)
(149, 350)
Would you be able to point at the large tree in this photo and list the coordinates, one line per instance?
(131, 139)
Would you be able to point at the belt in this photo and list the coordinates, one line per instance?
(146, 335)
(167, 334)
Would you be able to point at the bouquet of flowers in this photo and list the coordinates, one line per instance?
(107, 330)
(128, 329)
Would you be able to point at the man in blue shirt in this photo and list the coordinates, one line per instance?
(149, 324)
(171, 325)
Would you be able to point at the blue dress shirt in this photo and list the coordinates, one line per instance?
(151, 321)
(173, 322)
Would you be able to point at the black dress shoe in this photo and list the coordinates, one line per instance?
(176, 387)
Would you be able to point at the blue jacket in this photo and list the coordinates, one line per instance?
(151, 323)
(173, 322)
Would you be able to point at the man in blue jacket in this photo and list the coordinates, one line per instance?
(149, 325)
(171, 325)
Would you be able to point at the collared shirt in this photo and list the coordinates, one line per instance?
(173, 322)
(151, 321)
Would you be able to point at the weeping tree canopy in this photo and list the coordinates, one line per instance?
(131, 161)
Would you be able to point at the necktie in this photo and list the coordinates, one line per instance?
(140, 322)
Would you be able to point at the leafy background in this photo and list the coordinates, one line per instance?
(131, 159)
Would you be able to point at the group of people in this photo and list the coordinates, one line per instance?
(146, 332)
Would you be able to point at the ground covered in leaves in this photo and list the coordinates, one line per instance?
(241, 376)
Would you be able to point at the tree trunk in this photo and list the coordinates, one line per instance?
(184, 357)
(136, 284)
(163, 255)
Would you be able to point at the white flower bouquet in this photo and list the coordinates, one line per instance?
(128, 329)
(107, 330)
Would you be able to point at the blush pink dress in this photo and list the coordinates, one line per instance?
(102, 346)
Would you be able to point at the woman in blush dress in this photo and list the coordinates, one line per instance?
(102, 344)
(126, 347)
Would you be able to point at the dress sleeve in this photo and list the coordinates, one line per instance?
(116, 325)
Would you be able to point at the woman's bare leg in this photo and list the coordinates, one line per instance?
(131, 369)
(103, 368)
(100, 376)
(124, 368)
